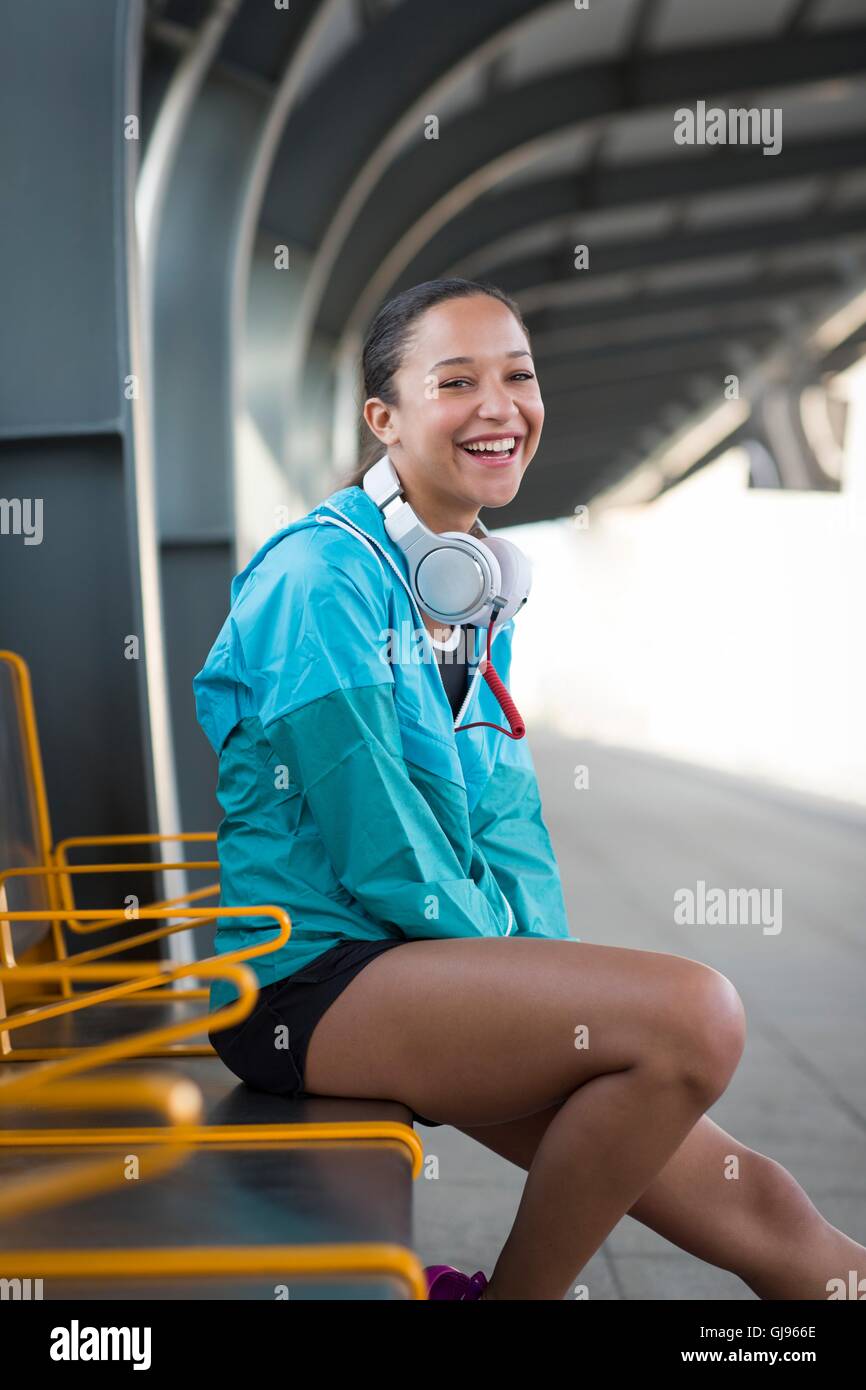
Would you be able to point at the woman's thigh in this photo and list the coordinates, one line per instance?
(489, 1029)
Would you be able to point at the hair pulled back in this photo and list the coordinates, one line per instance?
(388, 340)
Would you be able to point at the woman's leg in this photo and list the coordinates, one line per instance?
(726, 1204)
(631, 1047)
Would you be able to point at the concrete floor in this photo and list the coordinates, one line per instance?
(644, 828)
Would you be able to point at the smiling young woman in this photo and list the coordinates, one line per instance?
(431, 959)
(446, 418)
(430, 447)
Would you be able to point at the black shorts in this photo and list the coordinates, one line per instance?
(297, 1001)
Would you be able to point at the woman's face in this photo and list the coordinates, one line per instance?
(488, 396)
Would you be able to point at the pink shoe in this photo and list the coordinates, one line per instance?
(444, 1281)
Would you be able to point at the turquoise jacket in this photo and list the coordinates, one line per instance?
(348, 798)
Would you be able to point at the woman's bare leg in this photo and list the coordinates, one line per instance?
(759, 1224)
(631, 1047)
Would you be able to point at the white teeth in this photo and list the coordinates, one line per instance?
(493, 446)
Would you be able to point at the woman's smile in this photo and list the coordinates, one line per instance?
(500, 450)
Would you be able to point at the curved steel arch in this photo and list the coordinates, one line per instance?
(549, 276)
(249, 213)
(391, 105)
(221, 146)
(150, 193)
(501, 136)
(386, 93)
(497, 137)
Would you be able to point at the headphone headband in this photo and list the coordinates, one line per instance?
(455, 577)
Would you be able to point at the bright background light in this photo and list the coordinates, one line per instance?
(721, 624)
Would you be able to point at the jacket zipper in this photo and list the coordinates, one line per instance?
(371, 541)
(477, 674)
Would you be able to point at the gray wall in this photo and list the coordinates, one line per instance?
(68, 78)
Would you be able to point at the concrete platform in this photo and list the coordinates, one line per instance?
(645, 828)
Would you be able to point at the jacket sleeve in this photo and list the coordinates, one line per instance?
(310, 645)
(385, 832)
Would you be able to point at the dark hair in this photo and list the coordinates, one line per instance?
(387, 341)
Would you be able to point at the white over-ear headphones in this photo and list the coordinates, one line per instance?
(455, 577)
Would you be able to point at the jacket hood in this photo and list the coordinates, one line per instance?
(220, 698)
(352, 503)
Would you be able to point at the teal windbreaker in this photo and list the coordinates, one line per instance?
(349, 800)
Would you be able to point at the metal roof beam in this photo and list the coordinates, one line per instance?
(610, 258)
(491, 220)
(379, 85)
(643, 325)
(484, 143)
(549, 324)
(626, 371)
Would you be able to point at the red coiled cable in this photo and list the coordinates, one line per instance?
(509, 708)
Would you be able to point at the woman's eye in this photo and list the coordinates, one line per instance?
(464, 381)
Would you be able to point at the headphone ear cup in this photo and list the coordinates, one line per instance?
(453, 571)
(515, 575)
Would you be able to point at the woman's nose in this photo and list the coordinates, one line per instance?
(498, 404)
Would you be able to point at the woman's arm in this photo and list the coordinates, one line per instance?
(309, 639)
(385, 837)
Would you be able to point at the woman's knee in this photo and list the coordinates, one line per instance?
(705, 1031)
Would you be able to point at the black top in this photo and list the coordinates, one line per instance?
(453, 667)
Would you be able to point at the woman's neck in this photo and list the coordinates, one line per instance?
(441, 631)
(440, 514)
